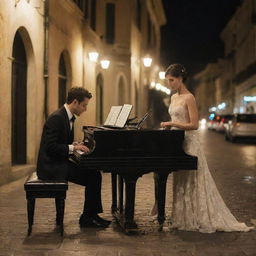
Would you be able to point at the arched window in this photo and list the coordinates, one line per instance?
(62, 81)
(99, 100)
(121, 91)
(19, 101)
(110, 23)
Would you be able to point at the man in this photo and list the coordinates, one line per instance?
(56, 147)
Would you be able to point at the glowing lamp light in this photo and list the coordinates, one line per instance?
(105, 64)
(213, 109)
(222, 105)
(161, 75)
(168, 91)
(152, 85)
(203, 123)
(211, 116)
(147, 61)
(158, 86)
(250, 98)
(93, 56)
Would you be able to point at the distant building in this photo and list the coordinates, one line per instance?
(48, 47)
(235, 81)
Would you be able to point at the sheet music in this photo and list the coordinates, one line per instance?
(123, 116)
(113, 115)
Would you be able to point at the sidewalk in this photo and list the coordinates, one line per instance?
(45, 241)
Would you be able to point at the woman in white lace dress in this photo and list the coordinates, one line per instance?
(197, 204)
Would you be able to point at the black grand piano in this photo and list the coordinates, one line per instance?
(128, 154)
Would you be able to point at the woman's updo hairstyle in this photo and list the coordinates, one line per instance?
(177, 70)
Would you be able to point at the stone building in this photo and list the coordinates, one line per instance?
(206, 86)
(48, 46)
(234, 83)
(240, 32)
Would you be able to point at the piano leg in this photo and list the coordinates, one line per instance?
(130, 188)
(160, 194)
(114, 190)
(120, 194)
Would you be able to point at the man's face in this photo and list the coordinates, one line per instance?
(79, 108)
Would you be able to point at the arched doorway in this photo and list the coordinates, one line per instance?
(19, 101)
(62, 80)
(121, 91)
(99, 99)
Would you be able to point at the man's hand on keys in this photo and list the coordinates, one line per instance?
(80, 146)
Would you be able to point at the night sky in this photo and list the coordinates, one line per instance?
(192, 33)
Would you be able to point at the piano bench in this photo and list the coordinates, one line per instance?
(36, 188)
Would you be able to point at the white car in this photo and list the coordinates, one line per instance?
(241, 126)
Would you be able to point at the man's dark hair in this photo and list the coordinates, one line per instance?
(77, 93)
(177, 70)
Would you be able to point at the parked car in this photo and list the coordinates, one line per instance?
(241, 126)
(213, 122)
(221, 126)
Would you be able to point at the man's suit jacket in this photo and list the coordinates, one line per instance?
(53, 154)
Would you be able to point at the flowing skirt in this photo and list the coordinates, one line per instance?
(197, 203)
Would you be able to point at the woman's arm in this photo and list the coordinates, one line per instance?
(193, 117)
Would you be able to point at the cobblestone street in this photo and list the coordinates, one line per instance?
(46, 241)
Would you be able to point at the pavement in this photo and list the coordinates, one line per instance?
(112, 241)
(46, 241)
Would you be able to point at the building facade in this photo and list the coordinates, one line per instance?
(234, 83)
(49, 46)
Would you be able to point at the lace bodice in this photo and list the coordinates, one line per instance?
(179, 113)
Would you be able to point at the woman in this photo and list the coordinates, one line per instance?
(197, 204)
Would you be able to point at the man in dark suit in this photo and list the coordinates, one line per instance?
(56, 147)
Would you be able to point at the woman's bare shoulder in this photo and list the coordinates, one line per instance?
(190, 99)
(190, 96)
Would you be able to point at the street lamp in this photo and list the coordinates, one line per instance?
(152, 85)
(161, 75)
(105, 64)
(147, 61)
(93, 56)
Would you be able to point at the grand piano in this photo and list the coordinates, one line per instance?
(128, 154)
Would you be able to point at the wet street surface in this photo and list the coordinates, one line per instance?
(233, 167)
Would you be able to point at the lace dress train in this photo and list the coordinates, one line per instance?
(197, 203)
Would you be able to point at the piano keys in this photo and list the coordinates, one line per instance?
(129, 154)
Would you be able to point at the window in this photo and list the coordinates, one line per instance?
(138, 14)
(79, 3)
(86, 8)
(246, 118)
(149, 31)
(110, 23)
(83, 5)
(93, 15)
